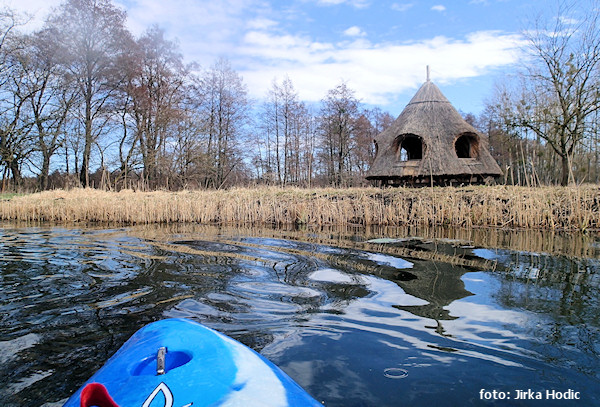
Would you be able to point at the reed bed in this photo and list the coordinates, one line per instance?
(570, 208)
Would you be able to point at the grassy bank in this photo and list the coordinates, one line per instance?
(6, 196)
(499, 206)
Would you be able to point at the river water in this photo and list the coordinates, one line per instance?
(379, 317)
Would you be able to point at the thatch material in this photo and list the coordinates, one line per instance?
(430, 143)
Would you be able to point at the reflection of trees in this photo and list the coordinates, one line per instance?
(564, 293)
(564, 287)
(552, 242)
(572, 244)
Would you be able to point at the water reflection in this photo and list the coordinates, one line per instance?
(563, 296)
(345, 315)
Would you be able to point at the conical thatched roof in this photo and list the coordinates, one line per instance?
(431, 142)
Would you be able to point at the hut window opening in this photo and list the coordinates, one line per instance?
(409, 147)
(467, 146)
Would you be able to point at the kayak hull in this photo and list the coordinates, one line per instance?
(202, 367)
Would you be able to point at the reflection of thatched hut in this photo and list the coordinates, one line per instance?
(430, 143)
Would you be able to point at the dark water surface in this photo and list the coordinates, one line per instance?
(441, 319)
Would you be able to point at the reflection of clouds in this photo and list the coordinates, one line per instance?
(439, 357)
(340, 373)
(339, 388)
(410, 331)
(394, 345)
(388, 293)
(9, 349)
(486, 354)
(293, 337)
(25, 382)
(375, 312)
(303, 372)
(390, 260)
(281, 342)
(478, 335)
(334, 276)
(486, 315)
(489, 254)
(486, 325)
(475, 280)
(270, 289)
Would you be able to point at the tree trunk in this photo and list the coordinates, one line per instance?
(84, 175)
(565, 171)
(44, 174)
(87, 148)
(16, 174)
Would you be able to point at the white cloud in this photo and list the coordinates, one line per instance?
(253, 37)
(354, 31)
(378, 72)
(36, 10)
(205, 29)
(261, 24)
(486, 2)
(401, 6)
(188, 15)
(353, 3)
(438, 7)
(568, 20)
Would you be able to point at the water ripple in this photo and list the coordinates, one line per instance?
(340, 316)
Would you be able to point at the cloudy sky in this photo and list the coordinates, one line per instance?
(380, 48)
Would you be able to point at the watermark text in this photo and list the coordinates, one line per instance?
(529, 394)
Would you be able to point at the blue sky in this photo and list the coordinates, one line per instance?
(380, 48)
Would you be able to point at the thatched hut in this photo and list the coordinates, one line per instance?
(431, 144)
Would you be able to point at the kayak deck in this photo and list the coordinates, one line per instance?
(178, 362)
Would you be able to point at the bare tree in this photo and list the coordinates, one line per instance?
(15, 141)
(16, 145)
(189, 153)
(8, 23)
(224, 111)
(90, 35)
(339, 112)
(283, 123)
(50, 98)
(562, 81)
(368, 125)
(155, 93)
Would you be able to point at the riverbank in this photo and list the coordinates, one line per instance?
(570, 208)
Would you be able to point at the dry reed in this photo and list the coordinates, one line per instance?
(573, 208)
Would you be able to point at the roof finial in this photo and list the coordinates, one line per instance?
(427, 73)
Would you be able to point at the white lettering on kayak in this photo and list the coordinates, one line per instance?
(165, 391)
